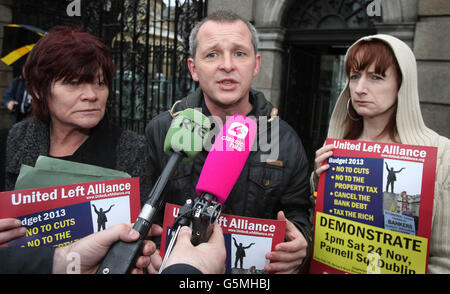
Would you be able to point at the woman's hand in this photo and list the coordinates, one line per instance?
(10, 229)
(322, 154)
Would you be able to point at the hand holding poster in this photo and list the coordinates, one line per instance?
(247, 240)
(60, 215)
(374, 209)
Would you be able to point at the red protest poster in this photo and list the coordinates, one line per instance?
(374, 209)
(57, 216)
(254, 236)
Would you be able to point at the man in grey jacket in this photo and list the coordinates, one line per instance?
(274, 181)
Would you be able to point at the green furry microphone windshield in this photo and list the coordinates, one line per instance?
(187, 134)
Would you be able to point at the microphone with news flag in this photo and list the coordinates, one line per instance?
(221, 169)
(184, 140)
(227, 157)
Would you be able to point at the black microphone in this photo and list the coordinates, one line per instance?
(184, 140)
(221, 169)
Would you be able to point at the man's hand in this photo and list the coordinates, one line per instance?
(290, 254)
(209, 257)
(155, 263)
(91, 250)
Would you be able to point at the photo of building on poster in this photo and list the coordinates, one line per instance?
(401, 196)
(247, 240)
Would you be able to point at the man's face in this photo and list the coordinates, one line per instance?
(225, 62)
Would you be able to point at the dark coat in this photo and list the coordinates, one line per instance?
(15, 92)
(263, 188)
(28, 260)
(3, 137)
(108, 146)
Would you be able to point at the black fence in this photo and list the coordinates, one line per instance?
(149, 42)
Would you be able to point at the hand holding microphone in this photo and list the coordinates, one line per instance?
(221, 169)
(184, 140)
(223, 165)
(209, 257)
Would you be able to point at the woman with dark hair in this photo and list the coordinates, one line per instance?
(380, 103)
(69, 76)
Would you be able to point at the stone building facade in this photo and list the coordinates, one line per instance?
(423, 24)
(302, 43)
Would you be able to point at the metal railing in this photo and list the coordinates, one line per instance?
(149, 42)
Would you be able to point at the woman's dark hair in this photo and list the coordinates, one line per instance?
(64, 54)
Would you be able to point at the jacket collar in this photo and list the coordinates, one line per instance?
(26, 141)
(261, 107)
(31, 138)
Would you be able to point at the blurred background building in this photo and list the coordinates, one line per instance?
(148, 41)
(302, 43)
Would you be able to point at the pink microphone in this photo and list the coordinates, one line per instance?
(227, 157)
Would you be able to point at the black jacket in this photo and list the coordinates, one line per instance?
(108, 146)
(263, 188)
(3, 137)
(39, 260)
(28, 260)
(15, 92)
(181, 268)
